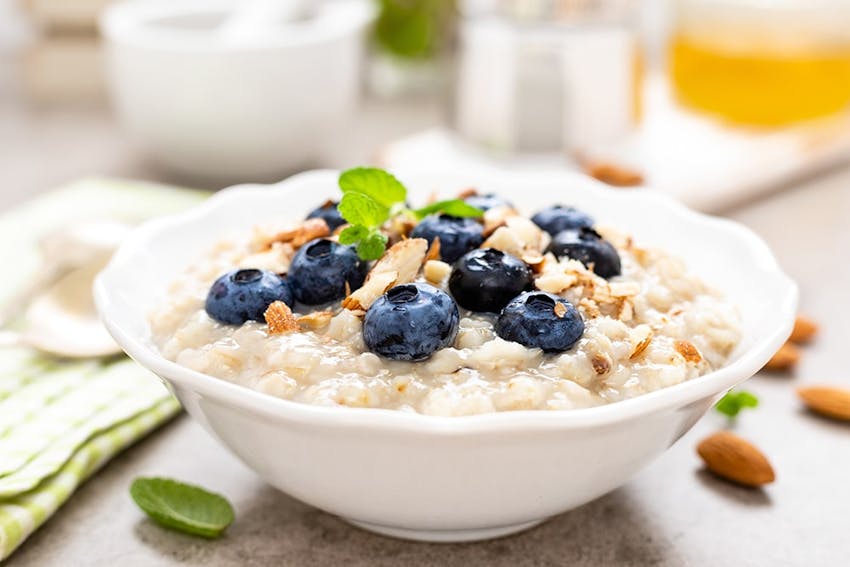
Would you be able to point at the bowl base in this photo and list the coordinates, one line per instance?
(446, 536)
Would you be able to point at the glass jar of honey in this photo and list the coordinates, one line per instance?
(763, 63)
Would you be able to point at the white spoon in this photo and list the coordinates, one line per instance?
(59, 317)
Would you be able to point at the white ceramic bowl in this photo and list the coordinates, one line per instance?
(449, 478)
(217, 109)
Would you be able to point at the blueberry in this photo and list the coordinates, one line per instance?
(411, 322)
(588, 247)
(244, 295)
(486, 279)
(457, 235)
(558, 217)
(329, 213)
(487, 202)
(320, 270)
(538, 319)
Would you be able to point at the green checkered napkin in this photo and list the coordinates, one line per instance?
(60, 421)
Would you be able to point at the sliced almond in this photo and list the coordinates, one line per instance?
(735, 459)
(373, 288)
(280, 319)
(468, 192)
(804, 330)
(830, 401)
(590, 307)
(785, 358)
(496, 217)
(535, 261)
(300, 234)
(433, 250)
(316, 320)
(688, 351)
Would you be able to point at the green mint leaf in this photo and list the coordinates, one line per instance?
(361, 209)
(453, 207)
(382, 186)
(372, 247)
(733, 402)
(353, 233)
(182, 507)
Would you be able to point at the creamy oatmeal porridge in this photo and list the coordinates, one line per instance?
(648, 324)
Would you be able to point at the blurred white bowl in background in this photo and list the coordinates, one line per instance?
(218, 109)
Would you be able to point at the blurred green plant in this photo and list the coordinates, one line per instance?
(415, 29)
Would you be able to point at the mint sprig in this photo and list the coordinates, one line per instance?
(182, 507)
(371, 197)
(733, 402)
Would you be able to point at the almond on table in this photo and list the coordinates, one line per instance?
(785, 358)
(804, 331)
(735, 459)
(829, 401)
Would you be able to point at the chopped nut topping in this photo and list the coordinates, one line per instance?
(316, 320)
(468, 192)
(590, 307)
(399, 265)
(535, 261)
(496, 217)
(436, 271)
(280, 319)
(624, 289)
(275, 259)
(373, 288)
(601, 363)
(433, 250)
(560, 310)
(688, 351)
(625, 310)
(297, 236)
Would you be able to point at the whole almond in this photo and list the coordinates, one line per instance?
(735, 459)
(831, 401)
(804, 330)
(785, 358)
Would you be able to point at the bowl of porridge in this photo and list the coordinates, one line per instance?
(442, 358)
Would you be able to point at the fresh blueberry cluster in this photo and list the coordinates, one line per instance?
(412, 321)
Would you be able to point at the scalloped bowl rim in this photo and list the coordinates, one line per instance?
(708, 385)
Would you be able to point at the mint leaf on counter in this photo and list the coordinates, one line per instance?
(733, 402)
(182, 507)
(453, 207)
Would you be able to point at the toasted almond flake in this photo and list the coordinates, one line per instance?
(400, 228)
(612, 173)
(300, 234)
(347, 289)
(735, 459)
(623, 289)
(315, 320)
(275, 259)
(644, 337)
(527, 232)
(560, 309)
(433, 250)
(535, 261)
(436, 271)
(785, 358)
(280, 319)
(829, 401)
(804, 330)
(688, 351)
(496, 218)
(506, 240)
(372, 289)
(468, 192)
